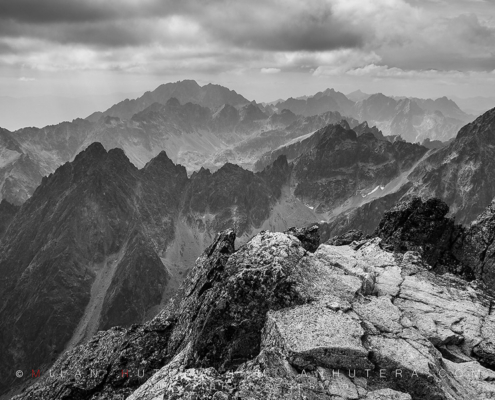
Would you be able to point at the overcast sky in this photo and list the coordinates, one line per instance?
(264, 49)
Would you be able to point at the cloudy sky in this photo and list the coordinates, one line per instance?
(264, 49)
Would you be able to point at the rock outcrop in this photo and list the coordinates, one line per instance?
(272, 320)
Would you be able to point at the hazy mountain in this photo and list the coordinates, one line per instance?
(21, 112)
(187, 91)
(249, 151)
(206, 126)
(475, 105)
(414, 120)
(321, 102)
(192, 135)
(357, 95)
(446, 106)
(20, 174)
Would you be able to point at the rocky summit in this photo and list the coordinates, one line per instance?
(283, 317)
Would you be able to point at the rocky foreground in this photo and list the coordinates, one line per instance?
(283, 317)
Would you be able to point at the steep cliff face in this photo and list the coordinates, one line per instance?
(342, 165)
(462, 174)
(7, 213)
(76, 251)
(233, 197)
(277, 319)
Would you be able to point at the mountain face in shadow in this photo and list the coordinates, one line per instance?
(343, 164)
(461, 174)
(88, 250)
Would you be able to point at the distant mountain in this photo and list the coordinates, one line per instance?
(446, 106)
(250, 151)
(192, 135)
(187, 91)
(39, 111)
(20, 173)
(321, 102)
(475, 105)
(208, 126)
(412, 119)
(357, 95)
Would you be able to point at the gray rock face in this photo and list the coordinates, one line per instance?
(272, 320)
(476, 247)
(417, 225)
(461, 174)
(343, 165)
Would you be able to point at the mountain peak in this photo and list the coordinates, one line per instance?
(94, 150)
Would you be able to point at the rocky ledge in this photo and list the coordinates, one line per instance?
(284, 318)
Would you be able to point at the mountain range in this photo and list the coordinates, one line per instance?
(208, 126)
(102, 218)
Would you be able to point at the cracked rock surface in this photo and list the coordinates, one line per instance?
(273, 320)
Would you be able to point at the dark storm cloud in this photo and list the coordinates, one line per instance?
(108, 35)
(278, 26)
(307, 33)
(266, 25)
(49, 11)
(229, 35)
(462, 43)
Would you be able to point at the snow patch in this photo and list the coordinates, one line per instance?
(374, 190)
